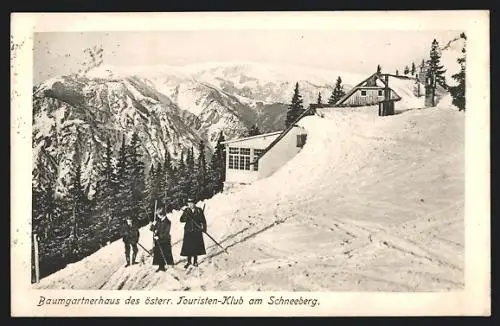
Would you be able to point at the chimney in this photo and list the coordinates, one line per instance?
(387, 90)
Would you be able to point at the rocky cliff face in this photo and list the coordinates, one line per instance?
(171, 109)
(77, 115)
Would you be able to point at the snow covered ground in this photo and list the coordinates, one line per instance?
(370, 204)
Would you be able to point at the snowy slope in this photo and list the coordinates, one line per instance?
(369, 204)
(406, 89)
(171, 108)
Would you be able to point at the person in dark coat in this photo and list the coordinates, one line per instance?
(162, 251)
(196, 224)
(130, 234)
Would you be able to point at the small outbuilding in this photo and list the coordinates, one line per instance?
(252, 158)
(240, 155)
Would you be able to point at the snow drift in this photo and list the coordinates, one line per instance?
(370, 204)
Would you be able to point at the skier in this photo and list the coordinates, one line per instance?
(196, 224)
(162, 252)
(130, 235)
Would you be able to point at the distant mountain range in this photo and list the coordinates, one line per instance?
(171, 108)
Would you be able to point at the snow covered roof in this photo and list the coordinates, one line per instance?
(379, 83)
(284, 132)
(251, 137)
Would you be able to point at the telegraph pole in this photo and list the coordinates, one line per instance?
(37, 265)
(433, 89)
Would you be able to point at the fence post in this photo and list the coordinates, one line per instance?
(37, 265)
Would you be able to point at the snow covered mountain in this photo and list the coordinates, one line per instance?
(170, 108)
(369, 204)
(81, 111)
(271, 83)
(175, 107)
(254, 93)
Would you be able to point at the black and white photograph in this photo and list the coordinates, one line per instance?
(296, 160)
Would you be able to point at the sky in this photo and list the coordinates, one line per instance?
(59, 53)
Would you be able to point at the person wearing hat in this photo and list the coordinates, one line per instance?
(162, 251)
(196, 224)
(130, 235)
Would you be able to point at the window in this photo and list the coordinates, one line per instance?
(380, 93)
(363, 93)
(301, 140)
(239, 158)
(256, 153)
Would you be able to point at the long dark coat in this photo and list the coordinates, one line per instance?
(162, 230)
(196, 224)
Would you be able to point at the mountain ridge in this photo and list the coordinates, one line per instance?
(175, 107)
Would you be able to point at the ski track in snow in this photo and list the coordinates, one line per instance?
(380, 208)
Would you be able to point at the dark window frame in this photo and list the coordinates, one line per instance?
(301, 140)
(239, 158)
(256, 154)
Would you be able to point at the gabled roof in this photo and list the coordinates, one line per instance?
(250, 137)
(401, 76)
(283, 133)
(360, 85)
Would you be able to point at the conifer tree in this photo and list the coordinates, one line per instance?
(217, 170)
(152, 191)
(458, 91)
(43, 203)
(338, 92)
(122, 196)
(413, 69)
(406, 70)
(78, 204)
(179, 188)
(296, 108)
(106, 186)
(435, 69)
(192, 173)
(319, 102)
(169, 176)
(136, 179)
(202, 177)
(253, 131)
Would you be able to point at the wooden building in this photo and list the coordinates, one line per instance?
(252, 158)
(368, 92)
(240, 155)
(281, 150)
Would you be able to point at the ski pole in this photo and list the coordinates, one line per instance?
(154, 219)
(148, 251)
(216, 242)
(198, 226)
(161, 252)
